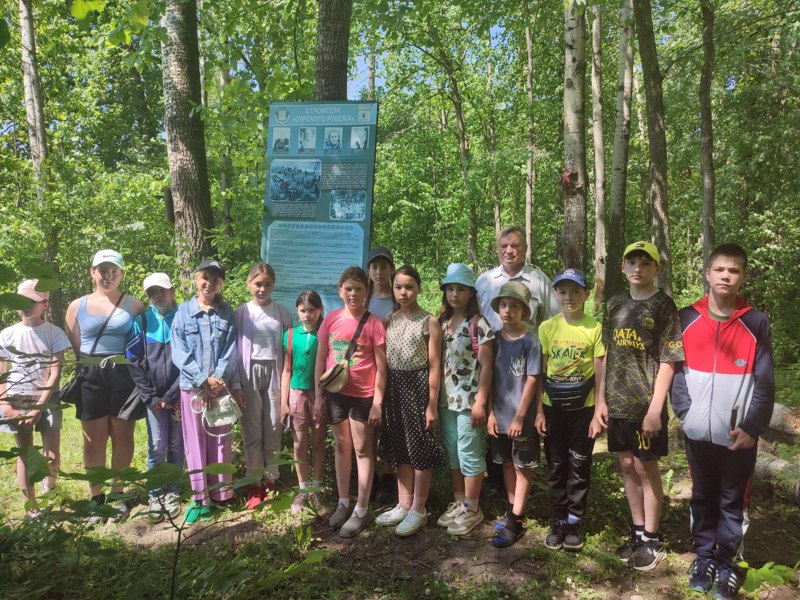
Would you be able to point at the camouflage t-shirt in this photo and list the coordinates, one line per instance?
(460, 369)
(638, 335)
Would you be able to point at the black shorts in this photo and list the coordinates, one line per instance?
(341, 407)
(104, 391)
(626, 436)
(523, 452)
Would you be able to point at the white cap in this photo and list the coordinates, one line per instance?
(161, 280)
(108, 256)
(28, 289)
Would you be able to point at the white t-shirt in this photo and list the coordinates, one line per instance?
(269, 323)
(28, 372)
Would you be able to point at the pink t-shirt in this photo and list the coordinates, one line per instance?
(335, 334)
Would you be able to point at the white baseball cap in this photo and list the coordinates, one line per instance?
(109, 256)
(28, 289)
(161, 280)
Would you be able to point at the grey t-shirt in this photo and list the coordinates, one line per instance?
(381, 307)
(514, 362)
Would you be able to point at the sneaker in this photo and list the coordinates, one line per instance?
(208, 512)
(626, 550)
(155, 510)
(573, 536)
(172, 505)
(727, 584)
(648, 555)
(95, 520)
(450, 514)
(702, 573)
(555, 536)
(193, 512)
(465, 521)
(255, 497)
(394, 517)
(412, 523)
(355, 524)
(123, 510)
(340, 515)
(298, 503)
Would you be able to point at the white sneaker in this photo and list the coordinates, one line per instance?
(465, 521)
(413, 522)
(392, 518)
(172, 504)
(447, 517)
(155, 512)
(123, 510)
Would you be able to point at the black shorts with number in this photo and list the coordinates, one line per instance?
(627, 436)
(524, 452)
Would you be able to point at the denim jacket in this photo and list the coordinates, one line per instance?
(204, 344)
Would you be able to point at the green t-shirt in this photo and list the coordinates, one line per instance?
(570, 349)
(304, 356)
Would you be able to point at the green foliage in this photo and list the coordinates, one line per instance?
(769, 574)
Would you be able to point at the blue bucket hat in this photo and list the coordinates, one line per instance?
(459, 273)
(573, 275)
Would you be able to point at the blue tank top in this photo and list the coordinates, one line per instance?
(115, 337)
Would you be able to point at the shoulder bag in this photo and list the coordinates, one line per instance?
(334, 379)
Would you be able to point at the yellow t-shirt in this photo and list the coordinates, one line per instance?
(570, 349)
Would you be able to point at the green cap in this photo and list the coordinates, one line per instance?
(517, 291)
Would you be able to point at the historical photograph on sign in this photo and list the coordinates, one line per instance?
(280, 139)
(333, 139)
(359, 139)
(348, 205)
(293, 181)
(306, 139)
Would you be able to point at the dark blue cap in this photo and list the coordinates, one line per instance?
(570, 274)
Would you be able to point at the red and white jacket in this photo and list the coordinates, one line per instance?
(727, 379)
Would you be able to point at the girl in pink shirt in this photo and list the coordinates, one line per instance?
(355, 411)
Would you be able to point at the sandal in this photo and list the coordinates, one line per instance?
(504, 536)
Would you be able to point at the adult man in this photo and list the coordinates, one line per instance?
(511, 249)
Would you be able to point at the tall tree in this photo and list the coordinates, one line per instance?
(657, 138)
(599, 159)
(37, 138)
(186, 149)
(619, 167)
(333, 39)
(707, 131)
(530, 132)
(573, 177)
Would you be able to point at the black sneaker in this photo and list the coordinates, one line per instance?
(555, 537)
(728, 583)
(702, 573)
(626, 550)
(648, 555)
(573, 536)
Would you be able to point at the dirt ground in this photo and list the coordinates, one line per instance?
(433, 556)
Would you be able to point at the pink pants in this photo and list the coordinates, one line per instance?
(202, 450)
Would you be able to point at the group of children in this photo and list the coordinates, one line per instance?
(407, 373)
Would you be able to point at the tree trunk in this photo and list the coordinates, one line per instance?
(333, 38)
(530, 167)
(491, 136)
(657, 138)
(644, 184)
(226, 173)
(371, 76)
(599, 161)
(37, 137)
(707, 132)
(573, 178)
(619, 168)
(186, 149)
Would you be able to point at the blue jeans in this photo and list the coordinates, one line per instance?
(164, 439)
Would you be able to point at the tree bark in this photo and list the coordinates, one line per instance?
(573, 237)
(619, 168)
(644, 177)
(491, 136)
(599, 160)
(707, 132)
(226, 164)
(333, 38)
(657, 139)
(530, 140)
(37, 137)
(186, 149)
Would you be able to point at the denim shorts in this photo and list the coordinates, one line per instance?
(465, 446)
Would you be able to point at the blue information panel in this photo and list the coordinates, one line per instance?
(318, 200)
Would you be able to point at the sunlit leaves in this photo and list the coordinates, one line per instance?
(81, 8)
